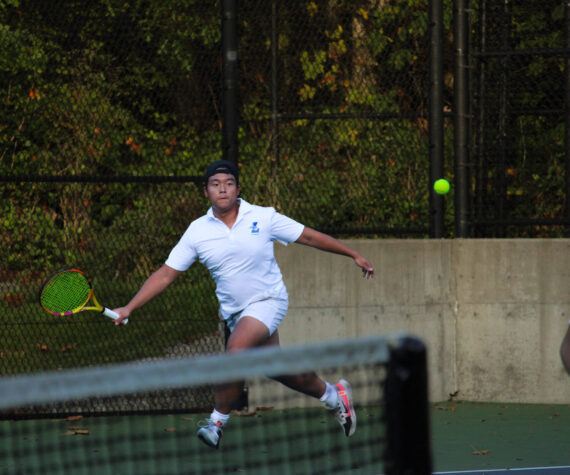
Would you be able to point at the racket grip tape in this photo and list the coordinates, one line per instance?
(114, 315)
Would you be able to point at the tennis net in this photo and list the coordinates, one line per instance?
(280, 432)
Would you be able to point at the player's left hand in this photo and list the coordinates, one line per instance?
(367, 268)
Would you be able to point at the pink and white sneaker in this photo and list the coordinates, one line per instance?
(344, 411)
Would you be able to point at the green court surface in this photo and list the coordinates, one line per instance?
(482, 436)
(465, 437)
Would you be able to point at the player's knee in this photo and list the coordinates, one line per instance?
(235, 347)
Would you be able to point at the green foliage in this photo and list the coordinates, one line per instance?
(93, 90)
(525, 164)
(133, 88)
(107, 102)
(358, 59)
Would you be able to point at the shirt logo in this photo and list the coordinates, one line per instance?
(254, 228)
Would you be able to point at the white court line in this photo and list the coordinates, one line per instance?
(563, 470)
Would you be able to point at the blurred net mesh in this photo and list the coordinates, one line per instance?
(281, 432)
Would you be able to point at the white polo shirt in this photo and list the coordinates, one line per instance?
(241, 259)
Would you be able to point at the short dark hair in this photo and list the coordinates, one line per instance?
(221, 166)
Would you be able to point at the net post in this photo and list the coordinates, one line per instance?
(408, 448)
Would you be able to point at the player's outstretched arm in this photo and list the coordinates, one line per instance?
(565, 351)
(153, 286)
(324, 242)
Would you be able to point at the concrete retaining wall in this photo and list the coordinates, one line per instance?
(492, 312)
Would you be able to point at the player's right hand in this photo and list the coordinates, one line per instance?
(124, 313)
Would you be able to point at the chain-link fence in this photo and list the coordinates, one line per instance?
(338, 96)
(109, 110)
(112, 110)
(520, 148)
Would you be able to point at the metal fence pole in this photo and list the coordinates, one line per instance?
(481, 142)
(567, 106)
(229, 81)
(503, 122)
(230, 119)
(274, 83)
(436, 202)
(461, 118)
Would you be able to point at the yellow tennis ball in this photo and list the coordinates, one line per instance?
(441, 186)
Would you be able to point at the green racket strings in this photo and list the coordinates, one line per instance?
(65, 292)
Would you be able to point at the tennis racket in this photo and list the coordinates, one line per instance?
(67, 292)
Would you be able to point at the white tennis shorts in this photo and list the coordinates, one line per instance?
(269, 311)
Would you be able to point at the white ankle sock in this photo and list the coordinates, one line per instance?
(219, 417)
(330, 397)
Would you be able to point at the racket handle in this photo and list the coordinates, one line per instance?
(114, 315)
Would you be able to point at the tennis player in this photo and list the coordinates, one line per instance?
(565, 351)
(234, 240)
